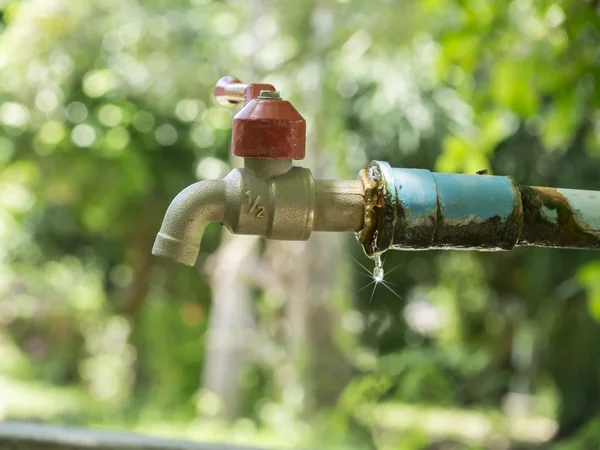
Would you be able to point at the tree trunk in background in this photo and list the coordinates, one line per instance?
(317, 358)
(313, 364)
(231, 323)
(316, 364)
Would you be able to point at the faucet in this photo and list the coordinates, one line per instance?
(386, 208)
(268, 196)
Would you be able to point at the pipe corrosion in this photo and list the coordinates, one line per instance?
(415, 209)
(560, 218)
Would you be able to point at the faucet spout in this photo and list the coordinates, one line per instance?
(187, 217)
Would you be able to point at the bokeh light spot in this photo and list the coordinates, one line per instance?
(98, 82)
(76, 112)
(52, 132)
(121, 275)
(188, 109)
(16, 197)
(203, 136)
(210, 168)
(117, 138)
(191, 313)
(143, 121)
(166, 135)
(14, 114)
(46, 101)
(110, 115)
(83, 135)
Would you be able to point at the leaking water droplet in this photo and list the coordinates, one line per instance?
(378, 269)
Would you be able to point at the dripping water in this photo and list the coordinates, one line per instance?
(378, 269)
(377, 276)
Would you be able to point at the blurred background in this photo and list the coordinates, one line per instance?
(106, 113)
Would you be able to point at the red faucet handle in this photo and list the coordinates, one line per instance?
(229, 90)
(269, 127)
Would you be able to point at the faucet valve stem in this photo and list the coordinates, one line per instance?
(269, 95)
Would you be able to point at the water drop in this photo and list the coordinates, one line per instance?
(378, 269)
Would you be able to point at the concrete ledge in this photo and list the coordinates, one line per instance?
(29, 436)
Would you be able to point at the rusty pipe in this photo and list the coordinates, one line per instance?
(560, 218)
(418, 210)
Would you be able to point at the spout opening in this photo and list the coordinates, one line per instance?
(187, 217)
(175, 250)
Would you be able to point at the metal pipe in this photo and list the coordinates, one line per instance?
(339, 205)
(187, 217)
(417, 209)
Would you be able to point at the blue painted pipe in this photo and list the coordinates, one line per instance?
(417, 209)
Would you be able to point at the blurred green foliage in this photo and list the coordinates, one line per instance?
(106, 114)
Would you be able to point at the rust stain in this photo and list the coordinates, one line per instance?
(373, 195)
(549, 221)
(472, 232)
(490, 234)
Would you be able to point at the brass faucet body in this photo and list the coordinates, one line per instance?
(267, 197)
